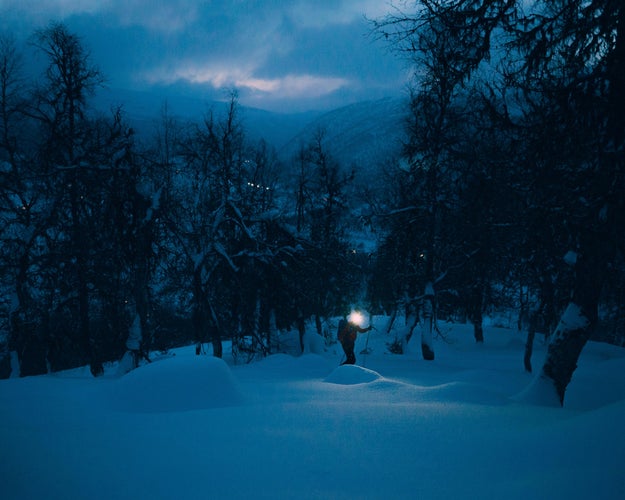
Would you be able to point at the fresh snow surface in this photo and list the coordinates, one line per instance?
(392, 427)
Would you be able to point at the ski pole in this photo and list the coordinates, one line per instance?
(366, 349)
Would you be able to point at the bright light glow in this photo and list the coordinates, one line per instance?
(294, 85)
(357, 318)
(218, 76)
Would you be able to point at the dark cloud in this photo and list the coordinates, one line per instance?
(307, 53)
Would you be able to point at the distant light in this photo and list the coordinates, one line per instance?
(258, 186)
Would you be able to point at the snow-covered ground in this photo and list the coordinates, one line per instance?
(195, 427)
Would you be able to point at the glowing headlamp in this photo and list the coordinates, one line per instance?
(357, 318)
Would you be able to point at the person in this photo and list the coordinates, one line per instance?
(347, 333)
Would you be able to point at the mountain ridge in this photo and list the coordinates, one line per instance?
(361, 135)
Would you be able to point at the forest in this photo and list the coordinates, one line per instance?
(508, 195)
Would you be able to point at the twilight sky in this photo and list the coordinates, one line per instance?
(286, 55)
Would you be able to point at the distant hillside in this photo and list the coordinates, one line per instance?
(143, 111)
(363, 135)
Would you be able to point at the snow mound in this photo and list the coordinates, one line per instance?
(351, 375)
(177, 384)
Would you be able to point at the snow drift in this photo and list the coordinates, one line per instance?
(177, 384)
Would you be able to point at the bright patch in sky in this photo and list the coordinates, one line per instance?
(288, 86)
(277, 54)
(296, 85)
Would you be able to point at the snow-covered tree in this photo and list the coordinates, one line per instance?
(25, 214)
(330, 275)
(562, 76)
(446, 42)
(572, 78)
(60, 106)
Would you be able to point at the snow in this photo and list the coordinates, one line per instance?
(176, 384)
(393, 426)
(570, 258)
(572, 319)
(351, 374)
(134, 335)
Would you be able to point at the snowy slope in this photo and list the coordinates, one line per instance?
(363, 135)
(303, 427)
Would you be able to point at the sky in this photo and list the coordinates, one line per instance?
(280, 55)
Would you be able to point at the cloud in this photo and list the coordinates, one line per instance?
(165, 16)
(269, 49)
(38, 12)
(175, 15)
(190, 72)
(294, 86)
(37, 9)
(323, 13)
(162, 17)
(289, 86)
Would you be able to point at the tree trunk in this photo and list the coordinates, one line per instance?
(141, 284)
(566, 346)
(529, 343)
(301, 328)
(478, 329)
(580, 317)
(218, 350)
(546, 311)
(318, 325)
(27, 342)
(523, 300)
(83, 287)
(391, 320)
(427, 333)
(412, 320)
(199, 316)
(476, 302)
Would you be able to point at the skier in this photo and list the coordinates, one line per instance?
(347, 333)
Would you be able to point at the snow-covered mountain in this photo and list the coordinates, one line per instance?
(144, 111)
(362, 135)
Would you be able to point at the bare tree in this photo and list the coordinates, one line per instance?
(572, 77)
(60, 106)
(563, 61)
(446, 42)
